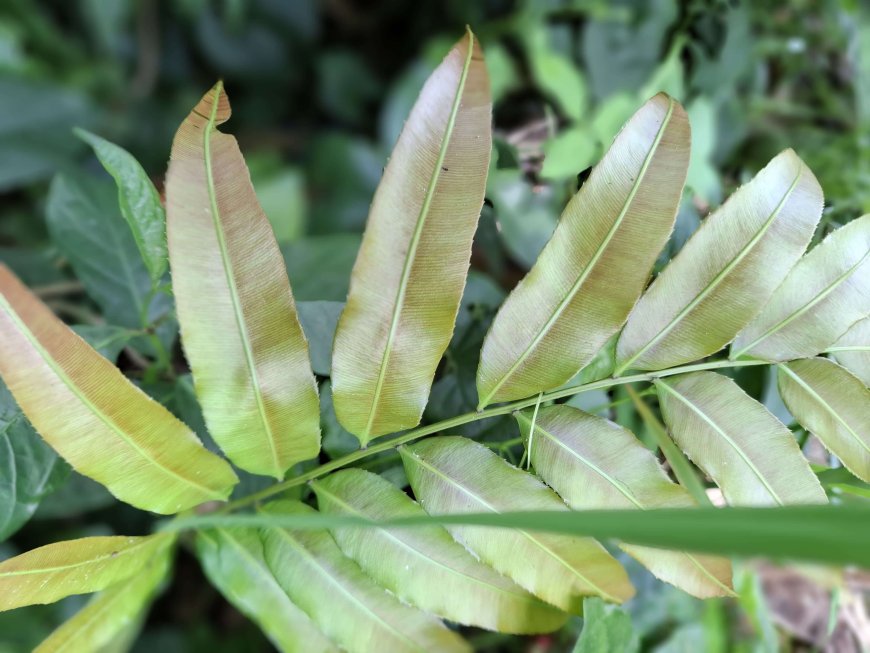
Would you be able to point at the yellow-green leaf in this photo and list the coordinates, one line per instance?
(114, 613)
(426, 567)
(852, 350)
(748, 453)
(580, 291)
(90, 564)
(233, 561)
(457, 475)
(595, 464)
(239, 326)
(834, 405)
(826, 292)
(345, 603)
(726, 271)
(411, 268)
(102, 424)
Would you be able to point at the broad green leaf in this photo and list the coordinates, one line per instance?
(318, 320)
(426, 567)
(824, 294)
(456, 475)
(411, 268)
(341, 599)
(103, 425)
(51, 572)
(241, 334)
(726, 271)
(319, 266)
(834, 405)
(594, 463)
(108, 340)
(29, 468)
(139, 201)
(852, 350)
(114, 614)
(556, 75)
(597, 263)
(839, 535)
(747, 452)
(83, 219)
(605, 628)
(233, 561)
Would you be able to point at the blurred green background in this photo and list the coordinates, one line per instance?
(320, 91)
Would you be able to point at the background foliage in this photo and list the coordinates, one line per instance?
(320, 91)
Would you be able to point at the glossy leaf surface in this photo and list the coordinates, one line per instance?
(852, 350)
(341, 599)
(233, 561)
(90, 564)
(456, 475)
(834, 405)
(114, 614)
(824, 294)
(426, 567)
(580, 291)
(103, 425)
(594, 463)
(139, 201)
(749, 453)
(726, 271)
(241, 334)
(408, 278)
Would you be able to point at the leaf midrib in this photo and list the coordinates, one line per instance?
(102, 417)
(525, 534)
(803, 309)
(725, 436)
(231, 284)
(587, 270)
(714, 283)
(415, 240)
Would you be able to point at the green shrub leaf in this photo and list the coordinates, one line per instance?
(594, 463)
(726, 271)
(456, 475)
(51, 572)
(826, 292)
(139, 201)
(834, 405)
(580, 291)
(747, 452)
(103, 425)
(233, 561)
(341, 599)
(408, 278)
(426, 567)
(241, 334)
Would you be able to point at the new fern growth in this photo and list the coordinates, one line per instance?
(584, 318)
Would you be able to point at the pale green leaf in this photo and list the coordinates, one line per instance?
(114, 614)
(834, 405)
(824, 294)
(605, 628)
(341, 599)
(241, 334)
(138, 199)
(426, 567)
(594, 463)
(747, 452)
(103, 425)
(597, 263)
(557, 75)
(457, 475)
(408, 278)
(726, 271)
(852, 350)
(90, 564)
(232, 558)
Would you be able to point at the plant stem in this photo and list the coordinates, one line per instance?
(467, 418)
